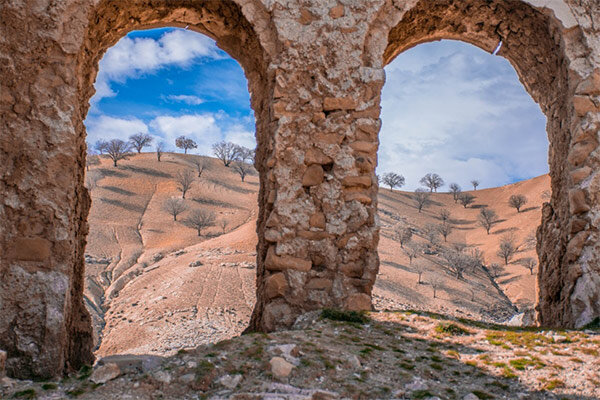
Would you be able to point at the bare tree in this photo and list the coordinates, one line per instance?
(457, 262)
(455, 190)
(227, 152)
(140, 140)
(487, 218)
(200, 165)
(117, 150)
(91, 160)
(432, 233)
(393, 180)
(223, 224)
(472, 291)
(466, 199)
(458, 246)
(241, 168)
(517, 201)
(403, 235)
(419, 268)
(421, 197)
(100, 146)
(200, 220)
(412, 250)
(174, 206)
(528, 263)
(244, 154)
(445, 229)
(185, 143)
(436, 283)
(530, 241)
(445, 215)
(495, 269)
(160, 148)
(92, 178)
(475, 183)
(432, 181)
(184, 181)
(507, 248)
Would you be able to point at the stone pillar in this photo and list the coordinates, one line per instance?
(320, 233)
(43, 204)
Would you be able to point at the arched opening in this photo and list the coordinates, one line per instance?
(534, 43)
(221, 21)
(456, 111)
(170, 255)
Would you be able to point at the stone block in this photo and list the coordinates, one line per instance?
(361, 181)
(358, 196)
(2, 363)
(314, 175)
(274, 262)
(358, 302)
(317, 220)
(577, 201)
(30, 249)
(365, 147)
(276, 285)
(319, 284)
(338, 103)
(316, 156)
(314, 235)
(336, 12)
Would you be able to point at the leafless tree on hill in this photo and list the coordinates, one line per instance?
(445, 215)
(160, 148)
(421, 198)
(140, 140)
(200, 220)
(507, 248)
(528, 263)
(419, 268)
(244, 154)
(92, 178)
(517, 201)
(185, 143)
(436, 282)
(117, 150)
(458, 246)
(432, 234)
(200, 165)
(495, 269)
(456, 261)
(403, 234)
(445, 229)
(455, 190)
(530, 241)
(184, 181)
(466, 199)
(475, 183)
(227, 152)
(174, 206)
(487, 218)
(432, 181)
(100, 146)
(412, 250)
(241, 168)
(223, 224)
(91, 160)
(393, 180)
(472, 291)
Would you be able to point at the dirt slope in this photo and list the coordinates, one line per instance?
(154, 286)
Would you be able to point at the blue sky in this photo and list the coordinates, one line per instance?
(447, 107)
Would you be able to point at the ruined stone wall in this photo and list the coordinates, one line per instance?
(315, 73)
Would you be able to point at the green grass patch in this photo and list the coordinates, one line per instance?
(554, 383)
(359, 317)
(407, 366)
(482, 395)
(451, 329)
(25, 394)
(421, 394)
(49, 386)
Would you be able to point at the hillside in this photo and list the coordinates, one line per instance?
(154, 286)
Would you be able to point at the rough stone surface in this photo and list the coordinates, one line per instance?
(105, 373)
(2, 363)
(280, 368)
(315, 74)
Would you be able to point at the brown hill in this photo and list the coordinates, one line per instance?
(155, 286)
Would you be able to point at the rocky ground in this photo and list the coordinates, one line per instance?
(401, 355)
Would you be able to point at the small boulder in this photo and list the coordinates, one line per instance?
(105, 373)
(162, 376)
(471, 396)
(230, 382)
(280, 367)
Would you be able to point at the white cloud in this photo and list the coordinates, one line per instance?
(185, 98)
(133, 57)
(106, 128)
(202, 128)
(452, 109)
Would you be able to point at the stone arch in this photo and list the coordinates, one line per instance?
(549, 52)
(48, 328)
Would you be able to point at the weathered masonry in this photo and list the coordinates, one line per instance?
(315, 72)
